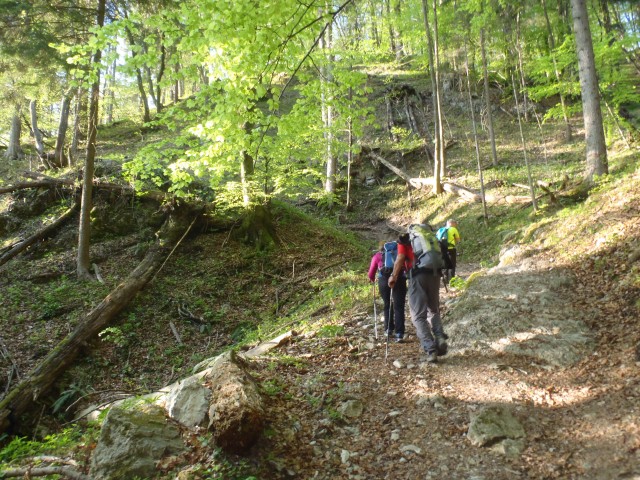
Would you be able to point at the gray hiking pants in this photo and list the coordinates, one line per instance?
(424, 305)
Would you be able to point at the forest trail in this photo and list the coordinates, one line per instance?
(346, 410)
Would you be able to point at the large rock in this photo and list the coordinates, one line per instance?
(236, 414)
(132, 440)
(497, 428)
(529, 313)
(188, 402)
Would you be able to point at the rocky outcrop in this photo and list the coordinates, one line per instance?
(138, 433)
(132, 440)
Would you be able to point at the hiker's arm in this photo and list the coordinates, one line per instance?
(373, 267)
(397, 268)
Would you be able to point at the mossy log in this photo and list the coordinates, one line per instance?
(21, 398)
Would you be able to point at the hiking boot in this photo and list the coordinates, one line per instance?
(432, 357)
(442, 346)
(399, 338)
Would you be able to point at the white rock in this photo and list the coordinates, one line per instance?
(411, 448)
(344, 456)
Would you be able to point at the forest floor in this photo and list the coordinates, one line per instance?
(540, 342)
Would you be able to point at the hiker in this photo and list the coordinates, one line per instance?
(450, 235)
(424, 287)
(383, 262)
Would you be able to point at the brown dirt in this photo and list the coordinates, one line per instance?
(580, 421)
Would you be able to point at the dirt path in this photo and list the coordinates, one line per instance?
(343, 410)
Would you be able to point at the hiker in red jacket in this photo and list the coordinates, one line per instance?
(378, 268)
(424, 299)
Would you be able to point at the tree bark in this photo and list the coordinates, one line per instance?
(597, 163)
(487, 99)
(442, 160)
(327, 110)
(21, 398)
(37, 134)
(79, 113)
(552, 47)
(59, 157)
(524, 146)
(83, 263)
(15, 150)
(475, 135)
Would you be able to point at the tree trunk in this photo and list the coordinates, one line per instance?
(374, 22)
(59, 156)
(597, 163)
(139, 79)
(399, 46)
(327, 111)
(485, 214)
(14, 151)
(487, 99)
(80, 110)
(552, 48)
(440, 149)
(524, 146)
(257, 227)
(436, 106)
(112, 93)
(348, 205)
(19, 400)
(83, 263)
(246, 172)
(37, 134)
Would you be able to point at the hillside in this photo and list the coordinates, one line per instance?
(543, 322)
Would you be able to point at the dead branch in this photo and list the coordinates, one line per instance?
(40, 234)
(44, 181)
(29, 472)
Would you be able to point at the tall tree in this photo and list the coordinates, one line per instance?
(437, 117)
(59, 156)
(84, 227)
(556, 71)
(597, 163)
(487, 99)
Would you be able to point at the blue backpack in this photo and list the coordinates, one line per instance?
(443, 235)
(389, 255)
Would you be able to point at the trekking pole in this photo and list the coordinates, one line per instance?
(375, 311)
(389, 322)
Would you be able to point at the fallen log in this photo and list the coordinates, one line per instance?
(465, 193)
(39, 381)
(43, 181)
(392, 167)
(40, 234)
(29, 472)
(35, 184)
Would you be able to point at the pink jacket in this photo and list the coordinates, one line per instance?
(376, 264)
